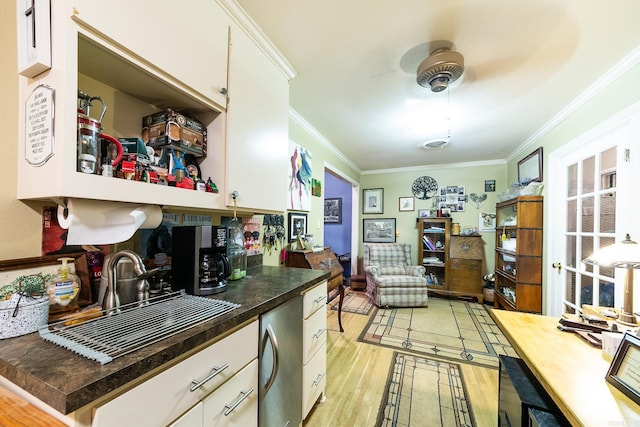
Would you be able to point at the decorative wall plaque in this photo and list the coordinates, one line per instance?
(39, 113)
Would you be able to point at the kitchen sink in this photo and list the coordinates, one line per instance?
(110, 336)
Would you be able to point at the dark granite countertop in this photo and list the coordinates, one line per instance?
(66, 381)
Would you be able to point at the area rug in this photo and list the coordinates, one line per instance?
(354, 302)
(424, 392)
(448, 328)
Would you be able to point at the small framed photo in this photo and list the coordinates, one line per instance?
(624, 372)
(379, 230)
(406, 204)
(487, 221)
(333, 211)
(372, 200)
(297, 225)
(426, 213)
(489, 185)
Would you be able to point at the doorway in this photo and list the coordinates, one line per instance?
(341, 201)
(591, 205)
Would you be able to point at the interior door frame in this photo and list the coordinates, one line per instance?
(628, 173)
(355, 203)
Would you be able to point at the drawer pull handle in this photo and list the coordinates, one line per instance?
(318, 379)
(320, 299)
(243, 395)
(319, 333)
(197, 384)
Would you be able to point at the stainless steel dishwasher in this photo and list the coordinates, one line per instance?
(280, 387)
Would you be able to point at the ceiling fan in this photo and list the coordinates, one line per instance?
(442, 67)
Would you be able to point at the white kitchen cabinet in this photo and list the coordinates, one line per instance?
(235, 403)
(167, 55)
(134, 87)
(314, 380)
(257, 126)
(314, 346)
(167, 396)
(187, 40)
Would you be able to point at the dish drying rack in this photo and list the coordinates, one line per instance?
(110, 336)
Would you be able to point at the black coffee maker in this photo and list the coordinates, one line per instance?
(199, 262)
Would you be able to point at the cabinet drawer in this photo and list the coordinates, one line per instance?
(314, 299)
(465, 275)
(314, 379)
(466, 264)
(314, 334)
(169, 393)
(193, 418)
(241, 390)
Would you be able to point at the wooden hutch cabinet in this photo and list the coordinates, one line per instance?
(518, 273)
(453, 263)
(466, 256)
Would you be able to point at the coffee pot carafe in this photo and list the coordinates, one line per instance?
(199, 262)
(236, 251)
(94, 147)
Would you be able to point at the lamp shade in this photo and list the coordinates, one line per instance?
(625, 254)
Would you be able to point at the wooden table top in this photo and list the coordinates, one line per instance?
(571, 371)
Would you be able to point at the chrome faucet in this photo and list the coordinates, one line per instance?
(111, 303)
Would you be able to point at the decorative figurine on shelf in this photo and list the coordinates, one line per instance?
(210, 186)
(177, 163)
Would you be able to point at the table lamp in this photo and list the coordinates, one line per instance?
(625, 254)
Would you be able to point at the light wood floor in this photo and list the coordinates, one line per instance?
(357, 373)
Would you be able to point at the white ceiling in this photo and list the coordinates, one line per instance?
(525, 61)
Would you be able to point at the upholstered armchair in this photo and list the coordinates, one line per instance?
(392, 279)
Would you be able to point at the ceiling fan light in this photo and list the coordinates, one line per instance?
(439, 82)
(435, 144)
(442, 67)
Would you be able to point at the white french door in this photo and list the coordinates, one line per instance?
(592, 202)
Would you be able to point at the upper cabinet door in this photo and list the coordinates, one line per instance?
(257, 127)
(188, 43)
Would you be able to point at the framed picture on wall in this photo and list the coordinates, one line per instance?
(372, 200)
(333, 211)
(379, 230)
(530, 168)
(297, 225)
(489, 185)
(406, 204)
(487, 221)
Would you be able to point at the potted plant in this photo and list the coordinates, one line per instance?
(24, 305)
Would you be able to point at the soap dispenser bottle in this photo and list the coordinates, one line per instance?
(63, 289)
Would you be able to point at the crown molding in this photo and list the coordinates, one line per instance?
(293, 115)
(240, 17)
(594, 89)
(483, 163)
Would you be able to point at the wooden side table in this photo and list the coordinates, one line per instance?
(321, 260)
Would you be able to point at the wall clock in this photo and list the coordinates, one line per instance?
(424, 187)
